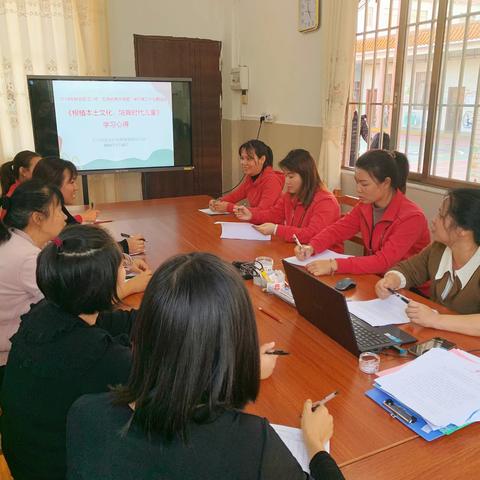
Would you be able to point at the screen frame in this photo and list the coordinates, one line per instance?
(188, 80)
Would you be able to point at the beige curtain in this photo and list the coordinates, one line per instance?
(47, 37)
(338, 25)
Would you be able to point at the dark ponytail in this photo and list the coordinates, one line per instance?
(7, 177)
(382, 164)
(10, 171)
(31, 196)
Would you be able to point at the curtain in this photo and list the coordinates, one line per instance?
(45, 37)
(338, 25)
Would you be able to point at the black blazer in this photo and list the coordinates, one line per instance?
(234, 445)
(55, 358)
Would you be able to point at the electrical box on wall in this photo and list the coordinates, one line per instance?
(239, 78)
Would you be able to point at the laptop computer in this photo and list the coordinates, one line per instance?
(327, 309)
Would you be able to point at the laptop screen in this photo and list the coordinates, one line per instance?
(322, 306)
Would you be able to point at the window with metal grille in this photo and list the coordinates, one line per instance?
(416, 88)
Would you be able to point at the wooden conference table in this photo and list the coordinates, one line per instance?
(367, 442)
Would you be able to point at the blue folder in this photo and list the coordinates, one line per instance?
(379, 396)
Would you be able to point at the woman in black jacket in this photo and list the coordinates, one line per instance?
(195, 366)
(63, 349)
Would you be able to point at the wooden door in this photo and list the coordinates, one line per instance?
(199, 60)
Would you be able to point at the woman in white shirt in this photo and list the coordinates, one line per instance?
(452, 265)
(33, 217)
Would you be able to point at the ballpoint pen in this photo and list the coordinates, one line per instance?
(268, 314)
(322, 402)
(297, 241)
(277, 352)
(401, 297)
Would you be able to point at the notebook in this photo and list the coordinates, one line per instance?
(327, 309)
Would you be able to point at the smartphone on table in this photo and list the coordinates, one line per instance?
(436, 342)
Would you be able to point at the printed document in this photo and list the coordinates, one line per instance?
(378, 312)
(440, 386)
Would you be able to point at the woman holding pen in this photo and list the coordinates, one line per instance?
(393, 228)
(451, 263)
(195, 367)
(304, 210)
(261, 186)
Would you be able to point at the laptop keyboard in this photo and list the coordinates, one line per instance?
(366, 339)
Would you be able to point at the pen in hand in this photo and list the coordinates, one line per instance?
(277, 352)
(297, 241)
(401, 297)
(322, 402)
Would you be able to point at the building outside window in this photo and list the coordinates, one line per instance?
(415, 87)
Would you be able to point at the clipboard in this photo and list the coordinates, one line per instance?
(420, 427)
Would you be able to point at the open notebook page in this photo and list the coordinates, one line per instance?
(293, 439)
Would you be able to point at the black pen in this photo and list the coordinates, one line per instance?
(401, 297)
(277, 352)
(126, 235)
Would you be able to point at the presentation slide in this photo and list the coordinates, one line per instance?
(105, 125)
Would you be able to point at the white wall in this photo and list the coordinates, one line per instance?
(283, 63)
(207, 19)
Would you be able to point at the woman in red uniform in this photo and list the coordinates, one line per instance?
(393, 228)
(304, 210)
(261, 186)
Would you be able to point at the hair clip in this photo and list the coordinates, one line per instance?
(58, 242)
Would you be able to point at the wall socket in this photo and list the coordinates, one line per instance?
(269, 118)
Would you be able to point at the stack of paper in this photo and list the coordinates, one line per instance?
(441, 386)
(325, 255)
(380, 312)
